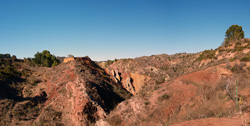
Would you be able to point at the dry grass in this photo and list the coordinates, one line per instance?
(115, 120)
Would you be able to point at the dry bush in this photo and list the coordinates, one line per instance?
(115, 120)
(160, 80)
(163, 97)
(238, 68)
(33, 80)
(248, 69)
(245, 58)
(212, 103)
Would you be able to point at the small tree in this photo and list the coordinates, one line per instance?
(55, 63)
(45, 59)
(235, 32)
(71, 56)
(13, 58)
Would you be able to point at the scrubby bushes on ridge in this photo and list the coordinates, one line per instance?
(45, 59)
(207, 54)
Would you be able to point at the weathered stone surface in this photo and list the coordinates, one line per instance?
(68, 59)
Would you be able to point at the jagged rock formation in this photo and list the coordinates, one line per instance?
(133, 74)
(77, 93)
(130, 81)
(65, 60)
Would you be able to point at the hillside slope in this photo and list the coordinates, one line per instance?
(199, 86)
(196, 95)
(73, 93)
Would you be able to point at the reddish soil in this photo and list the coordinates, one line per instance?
(240, 120)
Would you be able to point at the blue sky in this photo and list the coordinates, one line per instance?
(108, 29)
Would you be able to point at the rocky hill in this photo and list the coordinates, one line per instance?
(73, 93)
(135, 73)
(185, 87)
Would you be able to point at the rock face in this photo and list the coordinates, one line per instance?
(86, 95)
(76, 93)
(133, 74)
(132, 82)
(65, 60)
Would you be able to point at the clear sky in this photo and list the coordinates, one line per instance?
(108, 29)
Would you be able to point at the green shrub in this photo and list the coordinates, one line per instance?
(207, 54)
(226, 42)
(221, 50)
(45, 59)
(248, 69)
(163, 97)
(232, 59)
(8, 73)
(245, 58)
(146, 103)
(109, 62)
(159, 81)
(5, 56)
(238, 43)
(238, 68)
(238, 48)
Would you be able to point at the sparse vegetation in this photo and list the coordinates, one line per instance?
(163, 97)
(207, 54)
(245, 58)
(160, 80)
(109, 62)
(238, 67)
(8, 71)
(115, 121)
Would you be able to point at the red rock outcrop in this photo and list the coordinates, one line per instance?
(135, 73)
(76, 93)
(132, 82)
(65, 60)
(82, 92)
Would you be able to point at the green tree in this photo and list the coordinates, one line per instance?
(46, 63)
(235, 32)
(45, 59)
(1, 61)
(55, 63)
(13, 58)
(5, 56)
(70, 55)
(37, 58)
